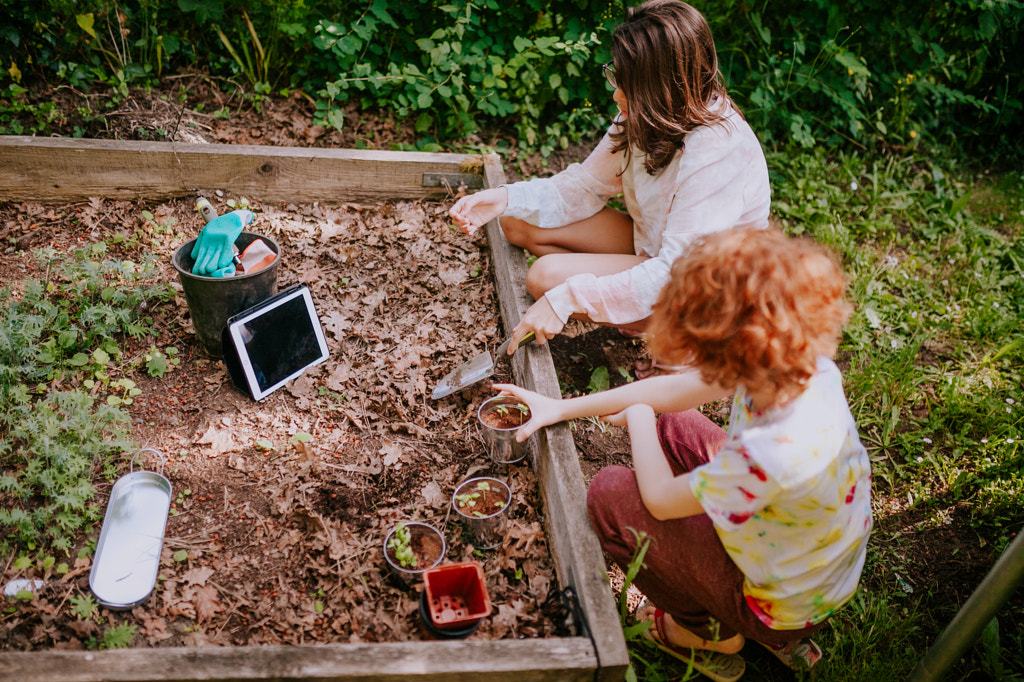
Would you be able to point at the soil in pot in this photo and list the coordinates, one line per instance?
(506, 417)
(414, 547)
(482, 500)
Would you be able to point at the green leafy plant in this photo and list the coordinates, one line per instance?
(55, 442)
(399, 544)
(84, 606)
(19, 116)
(599, 380)
(444, 79)
(470, 499)
(159, 363)
(506, 410)
(119, 637)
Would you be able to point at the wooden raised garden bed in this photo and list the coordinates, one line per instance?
(62, 170)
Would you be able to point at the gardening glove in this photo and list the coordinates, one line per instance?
(226, 271)
(212, 251)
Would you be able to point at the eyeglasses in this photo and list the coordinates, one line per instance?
(609, 73)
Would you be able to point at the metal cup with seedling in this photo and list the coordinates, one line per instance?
(483, 504)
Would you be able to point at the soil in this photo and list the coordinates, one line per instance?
(282, 534)
(480, 500)
(509, 417)
(281, 507)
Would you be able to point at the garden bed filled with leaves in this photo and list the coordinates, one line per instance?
(280, 508)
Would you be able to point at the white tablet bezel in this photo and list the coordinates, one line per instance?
(235, 331)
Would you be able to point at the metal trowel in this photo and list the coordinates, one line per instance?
(478, 368)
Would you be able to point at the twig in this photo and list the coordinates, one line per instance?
(177, 122)
(227, 619)
(231, 593)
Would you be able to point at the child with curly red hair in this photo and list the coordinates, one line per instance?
(758, 531)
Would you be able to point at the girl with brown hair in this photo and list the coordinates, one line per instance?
(758, 531)
(679, 152)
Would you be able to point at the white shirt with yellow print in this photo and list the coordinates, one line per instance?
(790, 497)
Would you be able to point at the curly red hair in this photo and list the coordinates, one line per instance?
(751, 307)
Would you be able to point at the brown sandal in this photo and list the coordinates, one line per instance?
(717, 666)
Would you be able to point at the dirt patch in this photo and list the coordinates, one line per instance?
(280, 508)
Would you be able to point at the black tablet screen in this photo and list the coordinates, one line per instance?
(280, 342)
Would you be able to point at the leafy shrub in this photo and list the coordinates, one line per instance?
(806, 72)
(815, 71)
(450, 66)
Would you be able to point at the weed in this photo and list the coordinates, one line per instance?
(640, 649)
(20, 117)
(54, 443)
(159, 363)
(84, 606)
(119, 637)
(599, 380)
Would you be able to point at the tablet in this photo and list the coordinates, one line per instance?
(274, 342)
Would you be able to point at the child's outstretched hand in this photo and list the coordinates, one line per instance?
(544, 411)
(474, 210)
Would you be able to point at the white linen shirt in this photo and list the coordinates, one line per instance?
(718, 181)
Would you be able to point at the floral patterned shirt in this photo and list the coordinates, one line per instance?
(790, 496)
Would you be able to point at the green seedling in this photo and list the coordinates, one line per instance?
(505, 410)
(399, 546)
(470, 499)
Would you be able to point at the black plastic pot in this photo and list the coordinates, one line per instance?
(212, 300)
(436, 632)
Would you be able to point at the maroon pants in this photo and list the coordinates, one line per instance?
(687, 573)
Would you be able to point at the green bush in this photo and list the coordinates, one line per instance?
(806, 72)
(812, 71)
(453, 66)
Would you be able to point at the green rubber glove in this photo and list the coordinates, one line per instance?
(212, 251)
(226, 271)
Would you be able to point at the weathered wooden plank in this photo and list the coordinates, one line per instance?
(541, 660)
(578, 556)
(50, 170)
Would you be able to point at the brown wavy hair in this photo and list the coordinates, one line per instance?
(667, 68)
(753, 307)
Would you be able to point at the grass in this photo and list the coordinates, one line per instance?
(933, 360)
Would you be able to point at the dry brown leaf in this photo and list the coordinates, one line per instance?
(453, 276)
(219, 440)
(392, 453)
(434, 496)
(198, 575)
(154, 628)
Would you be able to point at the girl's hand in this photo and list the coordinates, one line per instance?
(474, 210)
(541, 320)
(544, 411)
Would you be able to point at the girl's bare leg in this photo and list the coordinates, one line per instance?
(607, 231)
(551, 270)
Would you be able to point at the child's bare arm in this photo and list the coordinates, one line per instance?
(665, 495)
(668, 393)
